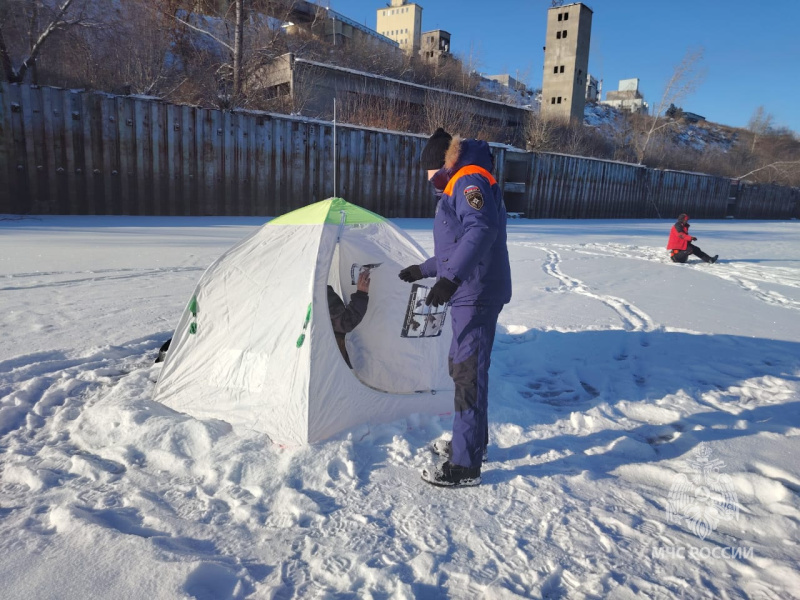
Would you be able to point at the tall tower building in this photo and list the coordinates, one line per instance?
(566, 62)
(402, 22)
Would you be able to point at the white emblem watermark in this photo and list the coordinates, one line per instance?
(704, 498)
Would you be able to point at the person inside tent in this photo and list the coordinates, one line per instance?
(474, 276)
(346, 318)
(680, 243)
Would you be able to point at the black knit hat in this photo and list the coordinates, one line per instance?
(433, 153)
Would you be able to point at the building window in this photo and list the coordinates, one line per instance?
(560, 16)
(562, 69)
(553, 100)
(555, 70)
(564, 34)
(558, 35)
(558, 100)
(566, 16)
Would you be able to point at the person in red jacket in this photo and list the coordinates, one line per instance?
(680, 243)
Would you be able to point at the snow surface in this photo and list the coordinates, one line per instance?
(629, 398)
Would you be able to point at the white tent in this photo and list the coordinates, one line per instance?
(255, 346)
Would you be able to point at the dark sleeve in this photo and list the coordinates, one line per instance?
(345, 318)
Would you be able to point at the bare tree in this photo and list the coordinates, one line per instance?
(448, 111)
(782, 171)
(760, 124)
(371, 108)
(684, 80)
(68, 13)
(539, 133)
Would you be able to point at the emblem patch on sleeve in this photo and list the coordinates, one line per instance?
(474, 196)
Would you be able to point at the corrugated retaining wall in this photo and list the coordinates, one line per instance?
(75, 152)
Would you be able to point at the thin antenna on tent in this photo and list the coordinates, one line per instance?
(334, 148)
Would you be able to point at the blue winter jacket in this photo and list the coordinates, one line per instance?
(469, 232)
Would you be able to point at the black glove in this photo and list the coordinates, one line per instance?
(412, 273)
(694, 239)
(441, 292)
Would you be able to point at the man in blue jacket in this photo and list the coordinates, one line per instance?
(471, 263)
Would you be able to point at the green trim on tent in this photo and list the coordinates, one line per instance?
(328, 211)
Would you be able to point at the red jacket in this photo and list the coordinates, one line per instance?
(679, 236)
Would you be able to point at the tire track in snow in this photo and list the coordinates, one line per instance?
(633, 319)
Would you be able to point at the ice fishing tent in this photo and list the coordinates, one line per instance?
(255, 346)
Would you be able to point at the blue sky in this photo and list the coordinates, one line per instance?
(751, 50)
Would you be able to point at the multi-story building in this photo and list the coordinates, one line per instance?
(627, 97)
(594, 89)
(401, 21)
(435, 46)
(566, 61)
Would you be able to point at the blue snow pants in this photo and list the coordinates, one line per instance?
(468, 361)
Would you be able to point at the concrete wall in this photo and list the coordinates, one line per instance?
(315, 85)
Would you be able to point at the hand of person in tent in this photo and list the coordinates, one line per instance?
(694, 238)
(363, 281)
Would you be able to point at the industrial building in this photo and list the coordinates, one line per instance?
(566, 62)
(402, 22)
(627, 97)
(435, 46)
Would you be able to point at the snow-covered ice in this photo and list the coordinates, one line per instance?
(644, 422)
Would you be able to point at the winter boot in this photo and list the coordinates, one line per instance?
(450, 475)
(713, 259)
(444, 448)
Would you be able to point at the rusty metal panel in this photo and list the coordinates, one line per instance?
(767, 202)
(227, 203)
(76, 160)
(93, 151)
(141, 144)
(6, 151)
(262, 171)
(32, 150)
(161, 166)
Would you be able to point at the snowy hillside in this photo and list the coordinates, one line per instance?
(644, 421)
(696, 136)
